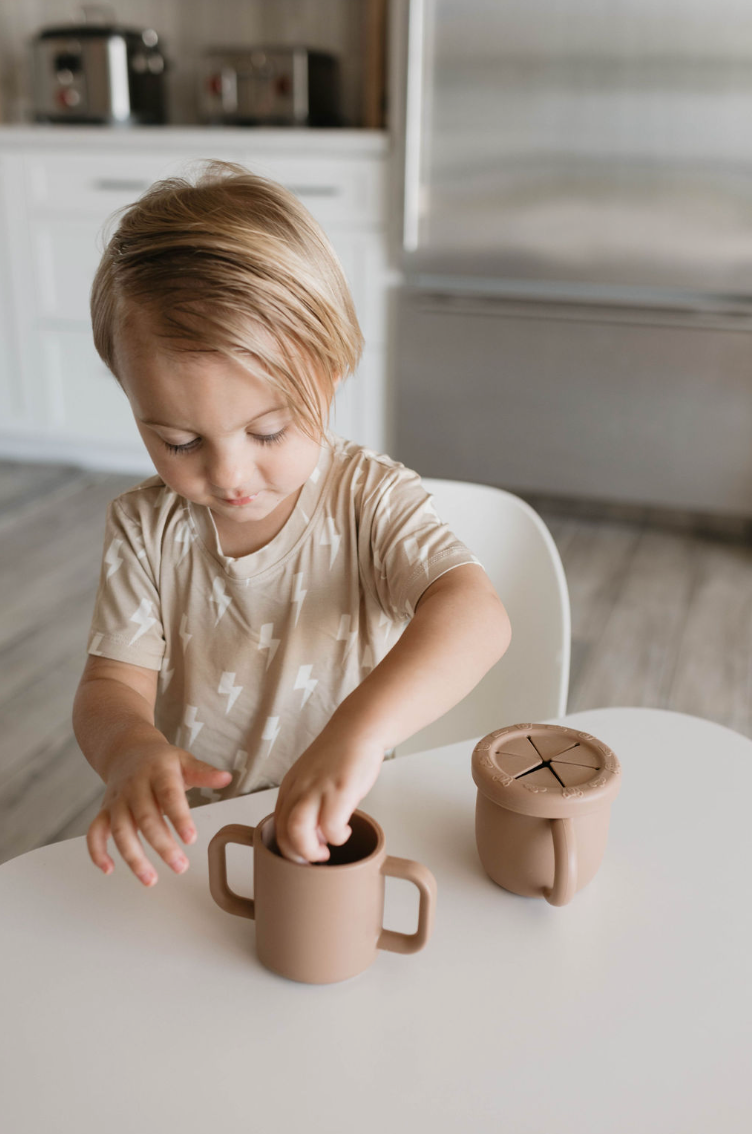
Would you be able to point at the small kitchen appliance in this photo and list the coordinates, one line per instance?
(99, 72)
(270, 86)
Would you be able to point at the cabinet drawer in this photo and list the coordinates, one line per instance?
(93, 184)
(67, 250)
(336, 190)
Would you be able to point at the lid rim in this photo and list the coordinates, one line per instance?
(531, 798)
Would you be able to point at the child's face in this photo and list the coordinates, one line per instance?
(217, 434)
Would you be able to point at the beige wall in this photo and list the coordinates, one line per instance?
(187, 27)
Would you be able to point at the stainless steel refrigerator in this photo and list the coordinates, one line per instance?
(576, 244)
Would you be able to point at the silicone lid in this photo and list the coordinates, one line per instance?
(546, 770)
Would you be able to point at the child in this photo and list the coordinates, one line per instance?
(247, 627)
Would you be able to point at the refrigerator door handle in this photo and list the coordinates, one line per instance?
(736, 315)
(413, 122)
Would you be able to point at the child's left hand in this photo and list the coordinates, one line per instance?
(321, 790)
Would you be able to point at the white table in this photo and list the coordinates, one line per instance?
(127, 1010)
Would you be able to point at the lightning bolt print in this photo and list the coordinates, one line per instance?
(184, 536)
(305, 682)
(112, 558)
(219, 598)
(430, 510)
(161, 498)
(378, 563)
(385, 503)
(240, 760)
(230, 689)
(143, 619)
(185, 637)
(165, 675)
(190, 722)
(330, 538)
(267, 642)
(298, 594)
(345, 634)
(271, 731)
(415, 552)
(385, 624)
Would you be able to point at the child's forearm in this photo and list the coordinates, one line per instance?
(459, 631)
(109, 719)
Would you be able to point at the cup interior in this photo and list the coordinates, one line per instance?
(362, 842)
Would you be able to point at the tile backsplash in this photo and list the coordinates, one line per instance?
(186, 28)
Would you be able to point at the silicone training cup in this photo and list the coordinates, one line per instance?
(543, 808)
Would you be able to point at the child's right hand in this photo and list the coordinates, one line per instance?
(145, 784)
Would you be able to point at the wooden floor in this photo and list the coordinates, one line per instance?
(661, 616)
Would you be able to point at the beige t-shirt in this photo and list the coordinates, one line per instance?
(256, 653)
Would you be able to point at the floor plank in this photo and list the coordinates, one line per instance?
(23, 485)
(633, 659)
(712, 677)
(43, 795)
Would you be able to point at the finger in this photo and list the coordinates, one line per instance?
(170, 795)
(148, 819)
(298, 836)
(96, 841)
(196, 773)
(127, 842)
(334, 819)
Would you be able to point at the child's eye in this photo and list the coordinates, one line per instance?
(187, 448)
(268, 438)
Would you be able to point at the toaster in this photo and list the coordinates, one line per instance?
(98, 73)
(270, 86)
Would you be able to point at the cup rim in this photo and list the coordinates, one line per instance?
(360, 862)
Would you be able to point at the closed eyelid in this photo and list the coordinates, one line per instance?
(189, 429)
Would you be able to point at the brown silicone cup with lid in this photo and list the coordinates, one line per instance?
(321, 922)
(543, 807)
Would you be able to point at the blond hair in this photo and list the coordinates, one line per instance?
(233, 263)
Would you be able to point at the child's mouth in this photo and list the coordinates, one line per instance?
(240, 500)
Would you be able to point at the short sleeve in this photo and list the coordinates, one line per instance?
(127, 623)
(409, 545)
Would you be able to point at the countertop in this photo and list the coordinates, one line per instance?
(334, 142)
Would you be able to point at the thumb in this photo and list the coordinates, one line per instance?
(196, 773)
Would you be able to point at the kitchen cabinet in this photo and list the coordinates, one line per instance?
(59, 187)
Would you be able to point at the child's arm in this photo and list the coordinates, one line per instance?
(460, 629)
(146, 777)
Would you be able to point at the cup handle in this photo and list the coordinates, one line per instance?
(426, 883)
(565, 863)
(226, 898)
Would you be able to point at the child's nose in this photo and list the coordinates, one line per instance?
(225, 473)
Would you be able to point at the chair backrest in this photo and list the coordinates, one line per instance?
(520, 557)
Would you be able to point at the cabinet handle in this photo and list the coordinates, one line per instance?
(119, 185)
(416, 35)
(315, 190)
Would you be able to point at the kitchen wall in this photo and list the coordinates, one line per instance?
(187, 27)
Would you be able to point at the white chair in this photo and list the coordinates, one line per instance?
(520, 557)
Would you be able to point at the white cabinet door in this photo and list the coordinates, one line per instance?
(85, 400)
